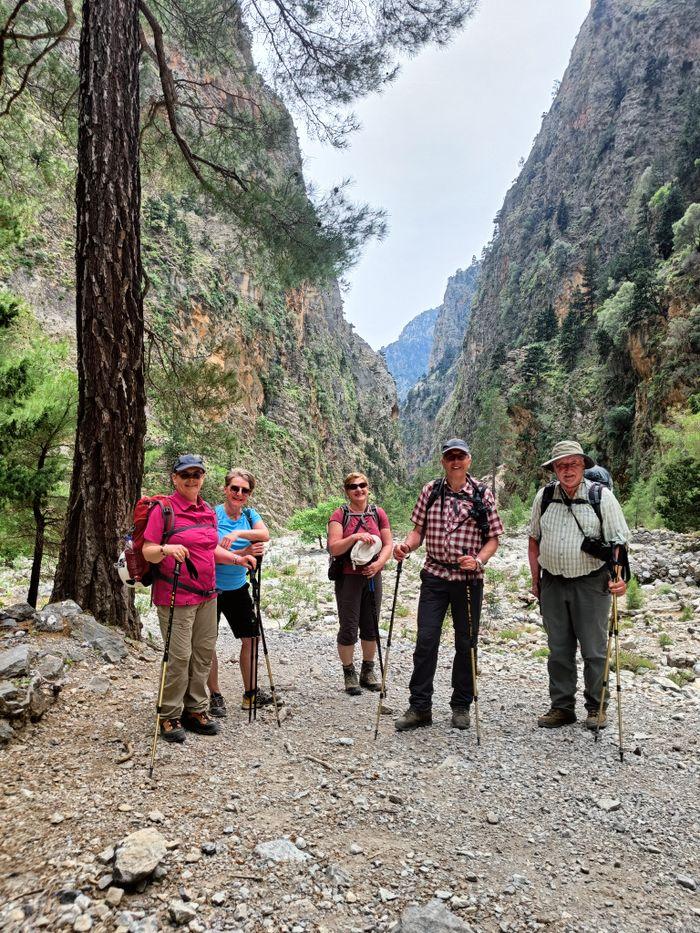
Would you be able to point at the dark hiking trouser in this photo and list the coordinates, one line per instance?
(575, 609)
(436, 595)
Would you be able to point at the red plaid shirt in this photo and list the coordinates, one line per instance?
(452, 529)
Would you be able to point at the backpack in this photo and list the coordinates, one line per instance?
(139, 569)
(479, 512)
(336, 564)
(595, 493)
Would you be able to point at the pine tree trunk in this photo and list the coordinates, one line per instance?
(108, 459)
(40, 521)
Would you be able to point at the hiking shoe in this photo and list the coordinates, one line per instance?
(264, 699)
(352, 681)
(201, 723)
(413, 719)
(368, 679)
(171, 730)
(592, 719)
(217, 706)
(556, 718)
(460, 717)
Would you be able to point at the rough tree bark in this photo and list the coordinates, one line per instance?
(108, 459)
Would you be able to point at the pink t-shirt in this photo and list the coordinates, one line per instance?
(364, 521)
(195, 527)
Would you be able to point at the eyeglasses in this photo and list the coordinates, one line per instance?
(191, 474)
(356, 486)
(244, 490)
(452, 455)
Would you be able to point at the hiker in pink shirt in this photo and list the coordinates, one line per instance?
(194, 536)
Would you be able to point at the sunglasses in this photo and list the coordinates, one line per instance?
(356, 486)
(455, 456)
(191, 474)
(244, 490)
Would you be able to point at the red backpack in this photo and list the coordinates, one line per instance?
(140, 571)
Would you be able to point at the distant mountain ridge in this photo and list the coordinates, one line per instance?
(408, 357)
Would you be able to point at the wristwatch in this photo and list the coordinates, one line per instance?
(479, 563)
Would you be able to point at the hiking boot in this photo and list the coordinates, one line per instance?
(592, 719)
(556, 718)
(171, 730)
(413, 719)
(460, 717)
(217, 706)
(264, 699)
(352, 681)
(368, 679)
(201, 723)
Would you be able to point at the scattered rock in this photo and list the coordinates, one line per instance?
(434, 917)
(608, 804)
(685, 881)
(108, 642)
(280, 850)
(181, 913)
(138, 856)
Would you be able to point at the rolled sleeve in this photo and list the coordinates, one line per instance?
(615, 528)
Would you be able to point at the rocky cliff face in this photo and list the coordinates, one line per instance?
(240, 370)
(585, 284)
(425, 400)
(408, 357)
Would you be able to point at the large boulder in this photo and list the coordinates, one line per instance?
(20, 612)
(138, 856)
(14, 662)
(56, 617)
(109, 642)
(433, 917)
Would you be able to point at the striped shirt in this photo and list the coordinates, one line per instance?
(451, 531)
(560, 537)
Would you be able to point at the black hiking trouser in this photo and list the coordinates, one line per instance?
(436, 596)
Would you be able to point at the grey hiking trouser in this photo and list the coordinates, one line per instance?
(574, 610)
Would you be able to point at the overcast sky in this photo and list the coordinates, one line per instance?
(440, 148)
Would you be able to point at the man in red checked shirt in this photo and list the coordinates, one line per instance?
(457, 519)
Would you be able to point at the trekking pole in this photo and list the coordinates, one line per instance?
(472, 655)
(382, 692)
(261, 630)
(613, 633)
(375, 613)
(606, 673)
(253, 678)
(164, 665)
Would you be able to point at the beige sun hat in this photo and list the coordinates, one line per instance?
(361, 553)
(567, 449)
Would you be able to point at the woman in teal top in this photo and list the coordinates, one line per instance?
(241, 529)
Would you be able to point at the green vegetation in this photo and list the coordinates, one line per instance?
(687, 614)
(540, 653)
(508, 634)
(629, 661)
(313, 522)
(682, 677)
(665, 640)
(634, 596)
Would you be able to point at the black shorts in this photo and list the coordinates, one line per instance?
(237, 608)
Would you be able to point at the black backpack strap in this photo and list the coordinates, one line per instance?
(547, 496)
(346, 514)
(438, 490)
(595, 494)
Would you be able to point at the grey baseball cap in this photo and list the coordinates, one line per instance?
(567, 449)
(455, 443)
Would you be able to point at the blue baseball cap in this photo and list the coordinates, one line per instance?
(187, 462)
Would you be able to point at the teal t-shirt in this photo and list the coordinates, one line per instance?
(229, 577)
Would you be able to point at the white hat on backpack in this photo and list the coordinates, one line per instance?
(362, 553)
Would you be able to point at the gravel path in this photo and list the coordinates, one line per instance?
(534, 829)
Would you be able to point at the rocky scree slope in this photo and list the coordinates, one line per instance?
(239, 368)
(315, 827)
(585, 288)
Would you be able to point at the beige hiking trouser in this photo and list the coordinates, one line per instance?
(191, 647)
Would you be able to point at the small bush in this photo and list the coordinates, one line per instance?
(508, 634)
(665, 640)
(541, 653)
(682, 678)
(629, 661)
(686, 613)
(635, 599)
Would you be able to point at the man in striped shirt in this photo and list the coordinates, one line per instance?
(574, 588)
(458, 520)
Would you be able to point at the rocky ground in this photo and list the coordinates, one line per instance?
(315, 826)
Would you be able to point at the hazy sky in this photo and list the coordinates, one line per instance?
(440, 148)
